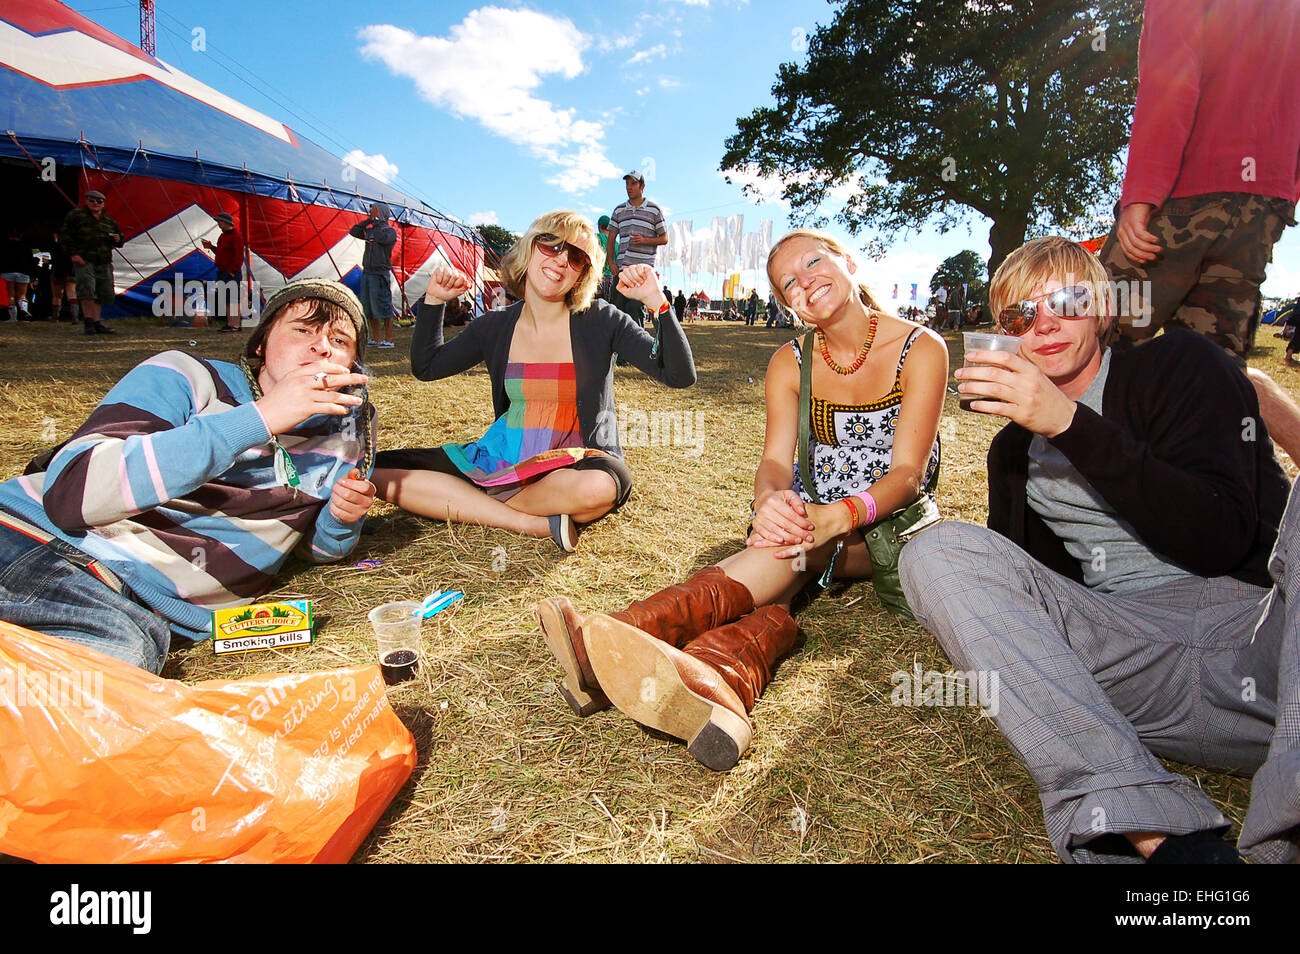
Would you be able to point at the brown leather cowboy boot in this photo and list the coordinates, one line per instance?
(702, 694)
(562, 630)
(676, 614)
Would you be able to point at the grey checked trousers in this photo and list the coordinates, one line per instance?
(1092, 687)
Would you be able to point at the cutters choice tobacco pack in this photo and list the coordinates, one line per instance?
(259, 626)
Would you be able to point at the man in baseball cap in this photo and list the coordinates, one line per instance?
(229, 259)
(191, 483)
(638, 227)
(89, 235)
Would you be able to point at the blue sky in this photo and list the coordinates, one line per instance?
(500, 113)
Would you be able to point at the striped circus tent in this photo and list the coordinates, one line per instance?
(87, 110)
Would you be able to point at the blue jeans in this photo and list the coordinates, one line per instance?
(377, 296)
(41, 590)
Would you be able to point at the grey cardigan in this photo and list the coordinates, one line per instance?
(597, 335)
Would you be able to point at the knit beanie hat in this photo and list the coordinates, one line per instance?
(323, 288)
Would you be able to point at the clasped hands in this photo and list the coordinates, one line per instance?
(783, 519)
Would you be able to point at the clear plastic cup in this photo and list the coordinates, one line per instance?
(984, 341)
(397, 631)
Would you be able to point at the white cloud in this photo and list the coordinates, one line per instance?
(645, 56)
(903, 267)
(484, 218)
(760, 188)
(763, 189)
(667, 82)
(488, 69)
(376, 165)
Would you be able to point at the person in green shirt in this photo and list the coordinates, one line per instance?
(606, 286)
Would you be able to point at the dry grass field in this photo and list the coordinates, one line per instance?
(506, 772)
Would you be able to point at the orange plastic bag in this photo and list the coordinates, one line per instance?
(104, 762)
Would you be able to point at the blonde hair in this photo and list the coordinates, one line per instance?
(570, 227)
(1053, 257)
(832, 246)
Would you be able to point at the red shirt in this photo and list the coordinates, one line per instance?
(1218, 105)
(230, 251)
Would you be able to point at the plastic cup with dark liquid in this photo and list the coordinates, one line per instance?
(397, 631)
(984, 341)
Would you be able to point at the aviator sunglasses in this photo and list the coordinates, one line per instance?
(551, 246)
(1074, 301)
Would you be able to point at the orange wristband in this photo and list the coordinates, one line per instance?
(853, 509)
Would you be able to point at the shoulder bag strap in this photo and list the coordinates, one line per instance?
(805, 414)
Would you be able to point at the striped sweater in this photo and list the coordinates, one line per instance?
(171, 483)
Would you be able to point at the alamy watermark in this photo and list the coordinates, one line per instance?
(177, 297)
(978, 687)
(639, 428)
(1128, 301)
(75, 689)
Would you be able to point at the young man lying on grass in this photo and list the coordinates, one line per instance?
(192, 482)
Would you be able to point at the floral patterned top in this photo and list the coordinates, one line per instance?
(852, 444)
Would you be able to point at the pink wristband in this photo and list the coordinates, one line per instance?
(870, 503)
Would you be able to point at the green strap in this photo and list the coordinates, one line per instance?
(805, 415)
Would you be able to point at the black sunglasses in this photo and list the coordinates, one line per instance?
(1072, 302)
(552, 245)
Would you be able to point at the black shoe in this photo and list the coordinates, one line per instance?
(103, 329)
(564, 532)
(90, 328)
(1196, 848)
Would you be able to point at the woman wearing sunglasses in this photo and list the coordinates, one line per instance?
(552, 460)
(691, 660)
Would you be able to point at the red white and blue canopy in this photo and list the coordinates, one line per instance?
(170, 153)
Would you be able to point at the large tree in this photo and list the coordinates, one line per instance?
(498, 238)
(1016, 109)
(964, 268)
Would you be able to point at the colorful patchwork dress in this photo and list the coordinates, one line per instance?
(852, 445)
(538, 433)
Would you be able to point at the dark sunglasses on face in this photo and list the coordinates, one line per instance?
(1074, 301)
(551, 246)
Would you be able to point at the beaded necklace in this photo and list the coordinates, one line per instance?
(862, 355)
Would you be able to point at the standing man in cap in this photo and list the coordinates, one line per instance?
(639, 228)
(229, 259)
(89, 236)
(191, 483)
(377, 271)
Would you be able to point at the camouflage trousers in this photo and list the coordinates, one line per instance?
(1215, 248)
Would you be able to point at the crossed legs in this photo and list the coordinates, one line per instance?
(585, 495)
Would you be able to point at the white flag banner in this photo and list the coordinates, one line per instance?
(749, 251)
(701, 252)
(764, 241)
(718, 257)
(679, 244)
(735, 232)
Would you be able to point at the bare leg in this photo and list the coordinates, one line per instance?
(90, 310)
(772, 580)
(1280, 412)
(444, 497)
(585, 495)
